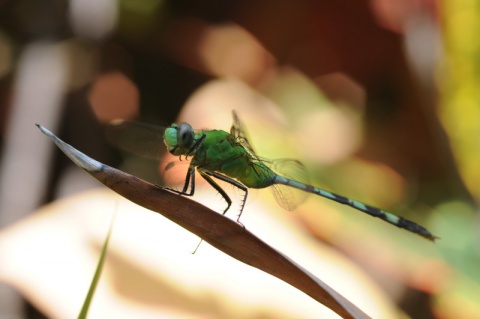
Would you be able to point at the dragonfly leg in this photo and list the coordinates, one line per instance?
(206, 175)
(189, 180)
(222, 192)
(195, 146)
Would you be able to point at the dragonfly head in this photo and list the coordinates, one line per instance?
(179, 139)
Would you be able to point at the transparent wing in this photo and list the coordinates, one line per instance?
(288, 197)
(239, 132)
(138, 138)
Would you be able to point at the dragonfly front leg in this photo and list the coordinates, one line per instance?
(189, 180)
(195, 146)
(206, 175)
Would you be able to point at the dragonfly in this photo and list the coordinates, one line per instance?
(229, 157)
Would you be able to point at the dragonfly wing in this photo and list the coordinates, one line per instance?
(141, 139)
(239, 132)
(286, 196)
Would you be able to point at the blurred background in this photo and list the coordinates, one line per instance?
(378, 98)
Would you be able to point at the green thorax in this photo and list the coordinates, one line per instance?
(220, 152)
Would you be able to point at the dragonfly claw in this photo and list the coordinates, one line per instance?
(240, 223)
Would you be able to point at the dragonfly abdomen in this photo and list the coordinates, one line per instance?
(372, 211)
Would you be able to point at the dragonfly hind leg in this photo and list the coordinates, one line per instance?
(207, 175)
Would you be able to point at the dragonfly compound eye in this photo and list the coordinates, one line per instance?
(185, 135)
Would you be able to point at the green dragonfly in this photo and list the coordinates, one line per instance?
(229, 157)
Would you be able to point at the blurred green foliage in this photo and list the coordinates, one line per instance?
(459, 79)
